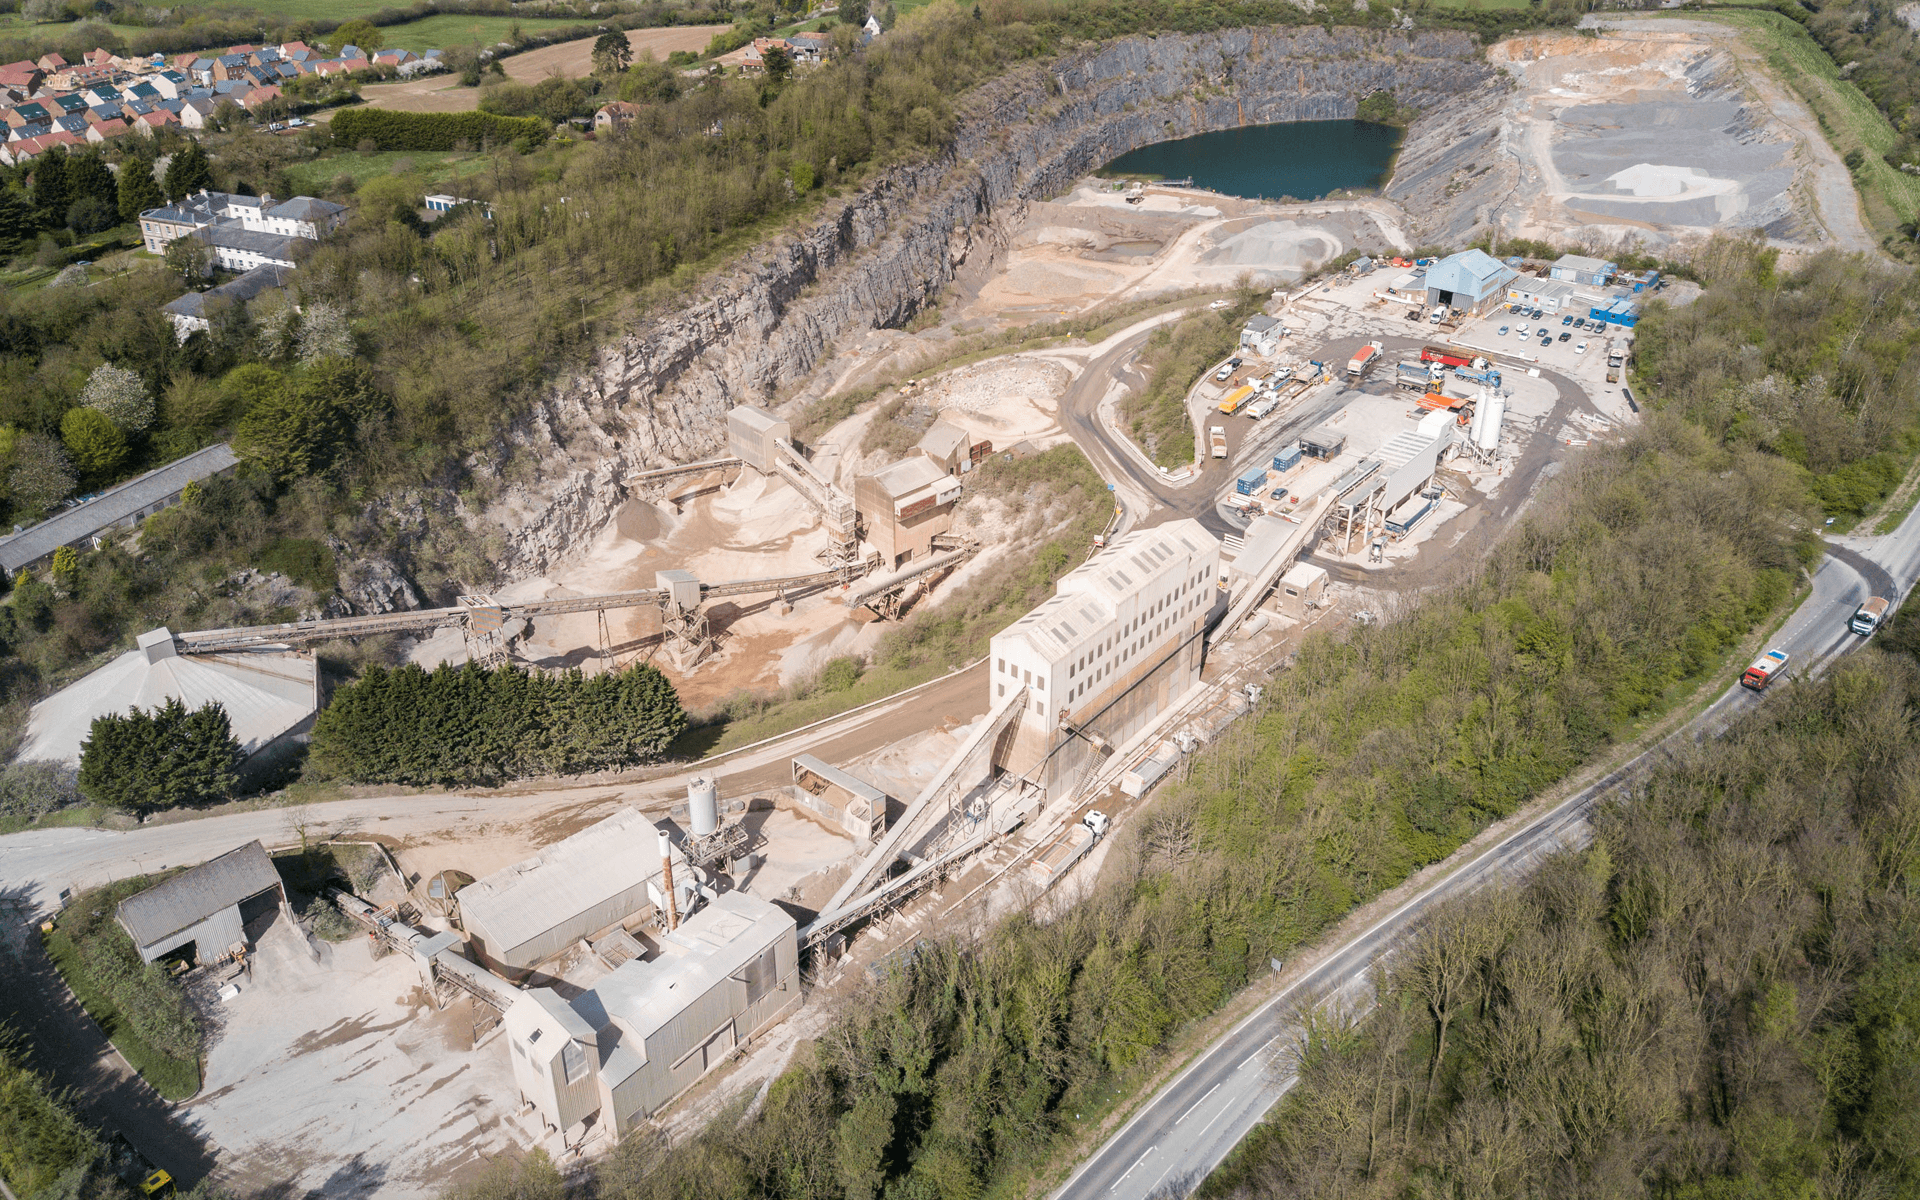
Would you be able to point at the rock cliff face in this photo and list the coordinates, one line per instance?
(660, 394)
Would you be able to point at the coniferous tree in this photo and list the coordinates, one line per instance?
(161, 758)
(89, 179)
(52, 193)
(137, 190)
(17, 221)
(188, 172)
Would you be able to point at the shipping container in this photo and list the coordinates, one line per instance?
(1253, 481)
(1287, 459)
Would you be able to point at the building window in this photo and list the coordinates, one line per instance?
(1003, 690)
(1042, 685)
(1028, 676)
(573, 1060)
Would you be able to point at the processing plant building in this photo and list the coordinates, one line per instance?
(522, 915)
(1115, 646)
(621, 1050)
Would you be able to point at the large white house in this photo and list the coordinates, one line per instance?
(301, 217)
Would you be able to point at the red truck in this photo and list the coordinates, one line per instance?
(1449, 358)
(1763, 670)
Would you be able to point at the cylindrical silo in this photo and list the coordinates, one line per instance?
(1478, 420)
(703, 806)
(1490, 428)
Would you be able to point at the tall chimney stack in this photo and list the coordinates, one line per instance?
(666, 877)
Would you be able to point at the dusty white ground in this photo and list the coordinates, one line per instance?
(1660, 130)
(339, 1078)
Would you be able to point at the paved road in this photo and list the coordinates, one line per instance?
(1182, 1133)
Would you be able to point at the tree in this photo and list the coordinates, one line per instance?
(361, 33)
(324, 333)
(121, 395)
(160, 758)
(17, 220)
(137, 190)
(777, 63)
(612, 52)
(302, 429)
(52, 194)
(97, 445)
(854, 12)
(188, 171)
(66, 561)
(41, 475)
(88, 177)
(90, 214)
(189, 258)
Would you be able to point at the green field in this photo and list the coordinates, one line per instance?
(461, 29)
(435, 167)
(1846, 116)
(330, 10)
(11, 26)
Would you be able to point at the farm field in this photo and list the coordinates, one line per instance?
(467, 29)
(436, 167)
(442, 93)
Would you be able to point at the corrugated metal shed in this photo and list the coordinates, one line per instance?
(192, 896)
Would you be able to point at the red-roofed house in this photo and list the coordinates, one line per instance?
(259, 95)
(26, 148)
(615, 115)
(51, 62)
(23, 76)
(182, 61)
(107, 129)
(100, 56)
(159, 118)
(289, 49)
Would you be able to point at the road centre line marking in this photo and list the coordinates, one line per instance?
(1198, 1103)
(1257, 1053)
(1132, 1169)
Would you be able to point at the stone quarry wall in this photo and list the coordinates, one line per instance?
(659, 394)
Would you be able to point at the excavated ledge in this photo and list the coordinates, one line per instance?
(660, 394)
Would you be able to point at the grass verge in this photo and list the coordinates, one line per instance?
(173, 1078)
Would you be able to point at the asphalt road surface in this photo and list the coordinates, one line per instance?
(1180, 1135)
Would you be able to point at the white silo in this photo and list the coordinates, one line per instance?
(703, 806)
(1489, 436)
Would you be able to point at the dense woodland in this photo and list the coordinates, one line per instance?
(1719, 998)
(1880, 54)
(1815, 365)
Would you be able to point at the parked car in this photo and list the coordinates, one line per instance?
(1567, 320)
(1503, 331)
(1536, 314)
(1526, 331)
(1277, 494)
(1514, 309)
(1566, 337)
(1580, 349)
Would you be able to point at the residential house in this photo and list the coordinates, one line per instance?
(195, 113)
(753, 57)
(15, 153)
(75, 125)
(29, 131)
(393, 58)
(142, 91)
(101, 93)
(194, 312)
(809, 47)
(21, 76)
(52, 62)
(302, 217)
(159, 118)
(227, 66)
(615, 116)
(872, 27)
(107, 130)
(103, 112)
(236, 248)
(259, 96)
(31, 113)
(442, 203)
(201, 72)
(296, 51)
(70, 104)
(170, 84)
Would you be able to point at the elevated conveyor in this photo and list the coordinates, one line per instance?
(964, 769)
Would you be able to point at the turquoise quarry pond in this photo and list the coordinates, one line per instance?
(1302, 159)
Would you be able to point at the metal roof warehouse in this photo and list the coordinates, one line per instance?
(123, 505)
(208, 905)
